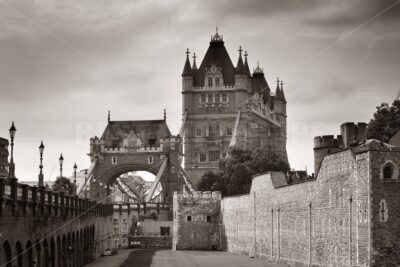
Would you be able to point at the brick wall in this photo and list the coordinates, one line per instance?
(305, 223)
(197, 221)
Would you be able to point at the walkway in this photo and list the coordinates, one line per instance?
(169, 258)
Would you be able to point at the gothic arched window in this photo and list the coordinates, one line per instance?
(389, 171)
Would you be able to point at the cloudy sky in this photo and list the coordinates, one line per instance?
(65, 63)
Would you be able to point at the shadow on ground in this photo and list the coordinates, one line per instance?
(139, 258)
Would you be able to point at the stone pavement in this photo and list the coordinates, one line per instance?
(169, 258)
(111, 261)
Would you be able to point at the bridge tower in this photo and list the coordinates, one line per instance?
(126, 146)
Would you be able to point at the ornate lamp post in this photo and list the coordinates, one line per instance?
(41, 150)
(75, 168)
(61, 161)
(11, 174)
(86, 187)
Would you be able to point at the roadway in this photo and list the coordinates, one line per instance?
(170, 258)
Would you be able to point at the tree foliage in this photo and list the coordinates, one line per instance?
(235, 173)
(62, 184)
(385, 123)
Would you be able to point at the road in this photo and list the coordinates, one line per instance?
(169, 258)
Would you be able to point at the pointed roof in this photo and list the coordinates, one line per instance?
(187, 70)
(216, 54)
(279, 94)
(246, 65)
(194, 67)
(259, 84)
(240, 68)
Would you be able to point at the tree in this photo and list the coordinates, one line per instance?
(235, 173)
(385, 123)
(62, 184)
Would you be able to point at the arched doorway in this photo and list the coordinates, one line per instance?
(7, 255)
(59, 256)
(28, 254)
(19, 254)
(64, 252)
(45, 253)
(38, 251)
(53, 255)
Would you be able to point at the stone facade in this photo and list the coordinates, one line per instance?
(3, 157)
(212, 96)
(127, 146)
(197, 224)
(348, 215)
(140, 220)
(52, 229)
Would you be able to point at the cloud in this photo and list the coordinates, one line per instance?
(65, 62)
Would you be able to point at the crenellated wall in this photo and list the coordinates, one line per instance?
(332, 220)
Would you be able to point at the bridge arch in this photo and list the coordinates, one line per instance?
(7, 254)
(111, 175)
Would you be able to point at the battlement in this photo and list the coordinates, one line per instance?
(143, 148)
(353, 133)
(172, 139)
(328, 141)
(225, 87)
(216, 195)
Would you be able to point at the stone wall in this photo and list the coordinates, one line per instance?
(197, 221)
(314, 222)
(385, 223)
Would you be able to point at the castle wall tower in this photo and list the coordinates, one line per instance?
(212, 96)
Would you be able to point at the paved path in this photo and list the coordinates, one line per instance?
(111, 261)
(169, 258)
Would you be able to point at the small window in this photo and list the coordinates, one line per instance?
(198, 131)
(217, 81)
(214, 155)
(172, 169)
(208, 218)
(229, 131)
(224, 98)
(150, 159)
(383, 212)
(210, 82)
(189, 218)
(217, 97)
(203, 157)
(387, 172)
(152, 141)
(269, 132)
(165, 231)
(214, 131)
(114, 160)
(172, 146)
(203, 98)
(210, 98)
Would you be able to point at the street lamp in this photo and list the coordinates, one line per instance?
(12, 131)
(61, 161)
(75, 167)
(41, 150)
